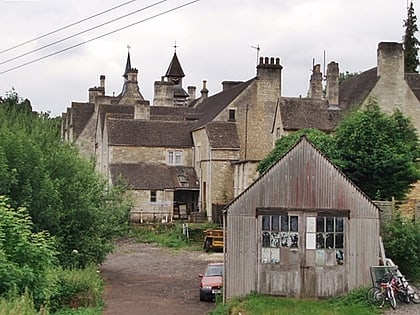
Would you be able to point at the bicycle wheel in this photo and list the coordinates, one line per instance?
(414, 294)
(391, 297)
(375, 296)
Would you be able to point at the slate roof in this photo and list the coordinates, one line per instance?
(168, 113)
(143, 176)
(115, 111)
(354, 90)
(149, 133)
(299, 113)
(210, 107)
(223, 134)
(175, 69)
(413, 81)
(80, 115)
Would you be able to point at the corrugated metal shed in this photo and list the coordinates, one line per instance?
(302, 229)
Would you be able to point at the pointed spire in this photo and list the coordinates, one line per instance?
(175, 69)
(128, 63)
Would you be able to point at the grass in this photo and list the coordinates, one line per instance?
(255, 304)
(172, 235)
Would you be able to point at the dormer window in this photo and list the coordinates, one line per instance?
(232, 115)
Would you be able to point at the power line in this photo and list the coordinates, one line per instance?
(65, 27)
(81, 32)
(100, 36)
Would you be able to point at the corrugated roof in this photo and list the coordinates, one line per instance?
(155, 176)
(149, 133)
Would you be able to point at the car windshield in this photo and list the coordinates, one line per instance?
(214, 270)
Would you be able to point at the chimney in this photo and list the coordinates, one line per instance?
(269, 69)
(390, 60)
(191, 92)
(315, 84)
(204, 92)
(229, 84)
(332, 83)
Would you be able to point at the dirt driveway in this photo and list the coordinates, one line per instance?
(146, 279)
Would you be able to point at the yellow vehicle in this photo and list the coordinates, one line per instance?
(213, 239)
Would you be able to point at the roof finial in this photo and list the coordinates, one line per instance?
(128, 48)
(175, 46)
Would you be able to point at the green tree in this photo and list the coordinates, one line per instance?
(321, 140)
(378, 152)
(401, 238)
(61, 190)
(411, 44)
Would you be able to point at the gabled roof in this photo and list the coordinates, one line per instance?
(300, 113)
(80, 115)
(223, 134)
(144, 176)
(175, 69)
(210, 107)
(146, 133)
(353, 91)
(168, 113)
(305, 161)
(115, 111)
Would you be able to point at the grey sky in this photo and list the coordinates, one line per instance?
(214, 39)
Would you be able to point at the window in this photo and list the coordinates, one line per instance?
(330, 236)
(276, 232)
(232, 113)
(175, 157)
(153, 196)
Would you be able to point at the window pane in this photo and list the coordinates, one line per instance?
(339, 224)
(329, 242)
(266, 223)
(275, 239)
(275, 223)
(266, 239)
(284, 238)
(329, 224)
(339, 240)
(320, 241)
(320, 224)
(178, 157)
(170, 157)
(294, 240)
(293, 223)
(285, 223)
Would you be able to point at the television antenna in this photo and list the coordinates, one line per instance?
(257, 48)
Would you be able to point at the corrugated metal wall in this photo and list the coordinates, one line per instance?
(304, 181)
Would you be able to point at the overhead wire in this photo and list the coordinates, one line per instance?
(81, 32)
(98, 37)
(65, 27)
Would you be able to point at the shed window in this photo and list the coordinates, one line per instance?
(175, 157)
(232, 115)
(330, 236)
(278, 231)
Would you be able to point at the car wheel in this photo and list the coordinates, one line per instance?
(202, 297)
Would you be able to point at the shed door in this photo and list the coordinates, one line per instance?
(280, 254)
(323, 269)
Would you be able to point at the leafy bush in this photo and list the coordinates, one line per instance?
(401, 237)
(26, 258)
(77, 288)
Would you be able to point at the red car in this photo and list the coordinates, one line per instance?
(211, 281)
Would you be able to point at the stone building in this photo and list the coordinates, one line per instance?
(185, 154)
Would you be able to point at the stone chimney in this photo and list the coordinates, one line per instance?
(390, 60)
(332, 83)
(315, 84)
(269, 69)
(229, 84)
(191, 92)
(142, 110)
(102, 82)
(204, 92)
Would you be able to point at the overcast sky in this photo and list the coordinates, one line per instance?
(215, 40)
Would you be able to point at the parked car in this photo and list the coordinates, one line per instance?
(211, 281)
